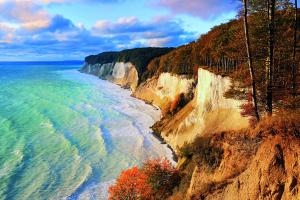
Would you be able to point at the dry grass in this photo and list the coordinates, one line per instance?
(226, 155)
(203, 152)
(282, 122)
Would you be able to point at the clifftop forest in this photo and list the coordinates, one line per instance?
(223, 51)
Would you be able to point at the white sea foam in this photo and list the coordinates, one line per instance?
(130, 136)
(96, 192)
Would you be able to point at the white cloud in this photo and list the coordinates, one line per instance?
(158, 42)
(30, 28)
(199, 8)
(25, 13)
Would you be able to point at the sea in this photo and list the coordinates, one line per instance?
(68, 135)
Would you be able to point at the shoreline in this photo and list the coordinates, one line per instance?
(153, 133)
(161, 139)
(157, 135)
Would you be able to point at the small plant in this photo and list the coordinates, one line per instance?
(204, 152)
(185, 151)
(248, 110)
(162, 177)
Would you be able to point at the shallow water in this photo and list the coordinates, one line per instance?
(67, 135)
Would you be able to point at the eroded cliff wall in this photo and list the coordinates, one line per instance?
(254, 164)
(121, 73)
(162, 90)
(207, 113)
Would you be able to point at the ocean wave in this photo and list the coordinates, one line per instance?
(67, 135)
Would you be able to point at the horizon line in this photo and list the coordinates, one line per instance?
(7, 61)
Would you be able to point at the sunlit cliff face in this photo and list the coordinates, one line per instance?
(209, 112)
(123, 74)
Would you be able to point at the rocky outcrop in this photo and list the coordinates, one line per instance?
(207, 113)
(266, 168)
(162, 90)
(123, 74)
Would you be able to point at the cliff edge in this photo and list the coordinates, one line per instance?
(126, 68)
(259, 163)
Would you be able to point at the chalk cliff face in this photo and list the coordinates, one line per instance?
(162, 90)
(207, 113)
(121, 73)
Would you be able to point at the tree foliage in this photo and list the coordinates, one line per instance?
(131, 185)
(223, 50)
(162, 177)
(155, 180)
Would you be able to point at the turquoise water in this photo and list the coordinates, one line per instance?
(67, 135)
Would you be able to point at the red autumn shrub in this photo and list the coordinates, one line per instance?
(248, 110)
(155, 180)
(163, 177)
(248, 107)
(131, 185)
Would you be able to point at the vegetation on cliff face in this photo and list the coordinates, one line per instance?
(255, 163)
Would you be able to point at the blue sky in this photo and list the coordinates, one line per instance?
(73, 29)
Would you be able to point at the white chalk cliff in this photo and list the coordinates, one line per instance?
(162, 90)
(123, 74)
(207, 113)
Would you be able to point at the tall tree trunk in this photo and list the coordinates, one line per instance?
(294, 70)
(250, 62)
(270, 59)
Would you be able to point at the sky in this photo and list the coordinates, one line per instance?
(45, 30)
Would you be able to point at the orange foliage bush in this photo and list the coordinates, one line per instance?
(248, 109)
(154, 180)
(162, 177)
(131, 185)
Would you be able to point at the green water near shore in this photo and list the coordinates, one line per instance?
(64, 134)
